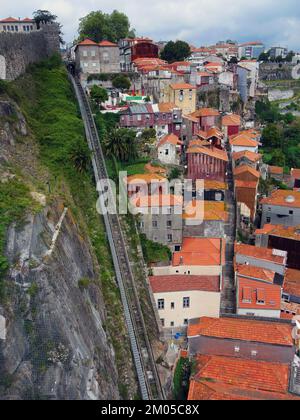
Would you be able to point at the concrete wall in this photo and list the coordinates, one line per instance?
(272, 212)
(201, 304)
(262, 313)
(194, 270)
(21, 49)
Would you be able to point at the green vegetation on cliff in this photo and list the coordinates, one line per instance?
(45, 97)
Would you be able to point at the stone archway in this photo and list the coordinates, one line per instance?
(2, 67)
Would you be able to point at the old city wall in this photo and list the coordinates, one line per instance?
(18, 50)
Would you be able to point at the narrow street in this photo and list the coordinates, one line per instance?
(228, 299)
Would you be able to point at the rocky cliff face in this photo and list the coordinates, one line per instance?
(55, 345)
(53, 342)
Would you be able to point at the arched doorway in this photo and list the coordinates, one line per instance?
(2, 67)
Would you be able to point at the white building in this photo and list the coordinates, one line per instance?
(169, 149)
(182, 298)
(13, 25)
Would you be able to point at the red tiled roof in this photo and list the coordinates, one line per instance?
(253, 157)
(246, 168)
(243, 140)
(167, 107)
(251, 185)
(292, 282)
(284, 198)
(87, 42)
(107, 44)
(225, 378)
(199, 252)
(243, 329)
(288, 232)
(213, 152)
(250, 292)
(179, 86)
(276, 170)
(10, 19)
(259, 253)
(257, 273)
(160, 200)
(165, 284)
(170, 139)
(231, 120)
(206, 112)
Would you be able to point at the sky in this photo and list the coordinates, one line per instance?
(199, 22)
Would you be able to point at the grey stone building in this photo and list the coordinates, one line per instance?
(96, 58)
(160, 219)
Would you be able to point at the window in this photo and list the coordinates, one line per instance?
(93, 53)
(186, 302)
(161, 304)
(154, 224)
(291, 212)
(237, 349)
(17, 28)
(141, 225)
(170, 238)
(254, 353)
(139, 117)
(84, 54)
(186, 322)
(169, 224)
(173, 305)
(162, 322)
(268, 219)
(167, 152)
(172, 324)
(168, 210)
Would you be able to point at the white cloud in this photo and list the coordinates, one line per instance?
(198, 21)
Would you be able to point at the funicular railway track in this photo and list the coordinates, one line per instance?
(148, 378)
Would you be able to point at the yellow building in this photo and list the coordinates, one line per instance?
(183, 95)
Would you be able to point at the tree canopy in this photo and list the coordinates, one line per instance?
(99, 26)
(98, 95)
(43, 16)
(176, 51)
(122, 144)
(121, 82)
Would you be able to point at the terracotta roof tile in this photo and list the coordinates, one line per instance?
(161, 200)
(213, 152)
(246, 168)
(251, 156)
(284, 198)
(170, 139)
(244, 141)
(167, 107)
(250, 292)
(206, 211)
(257, 273)
(242, 329)
(149, 178)
(107, 44)
(231, 120)
(87, 42)
(288, 232)
(206, 112)
(165, 284)
(179, 86)
(199, 252)
(224, 378)
(259, 253)
(291, 283)
(276, 170)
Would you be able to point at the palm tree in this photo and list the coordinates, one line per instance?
(121, 143)
(80, 156)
